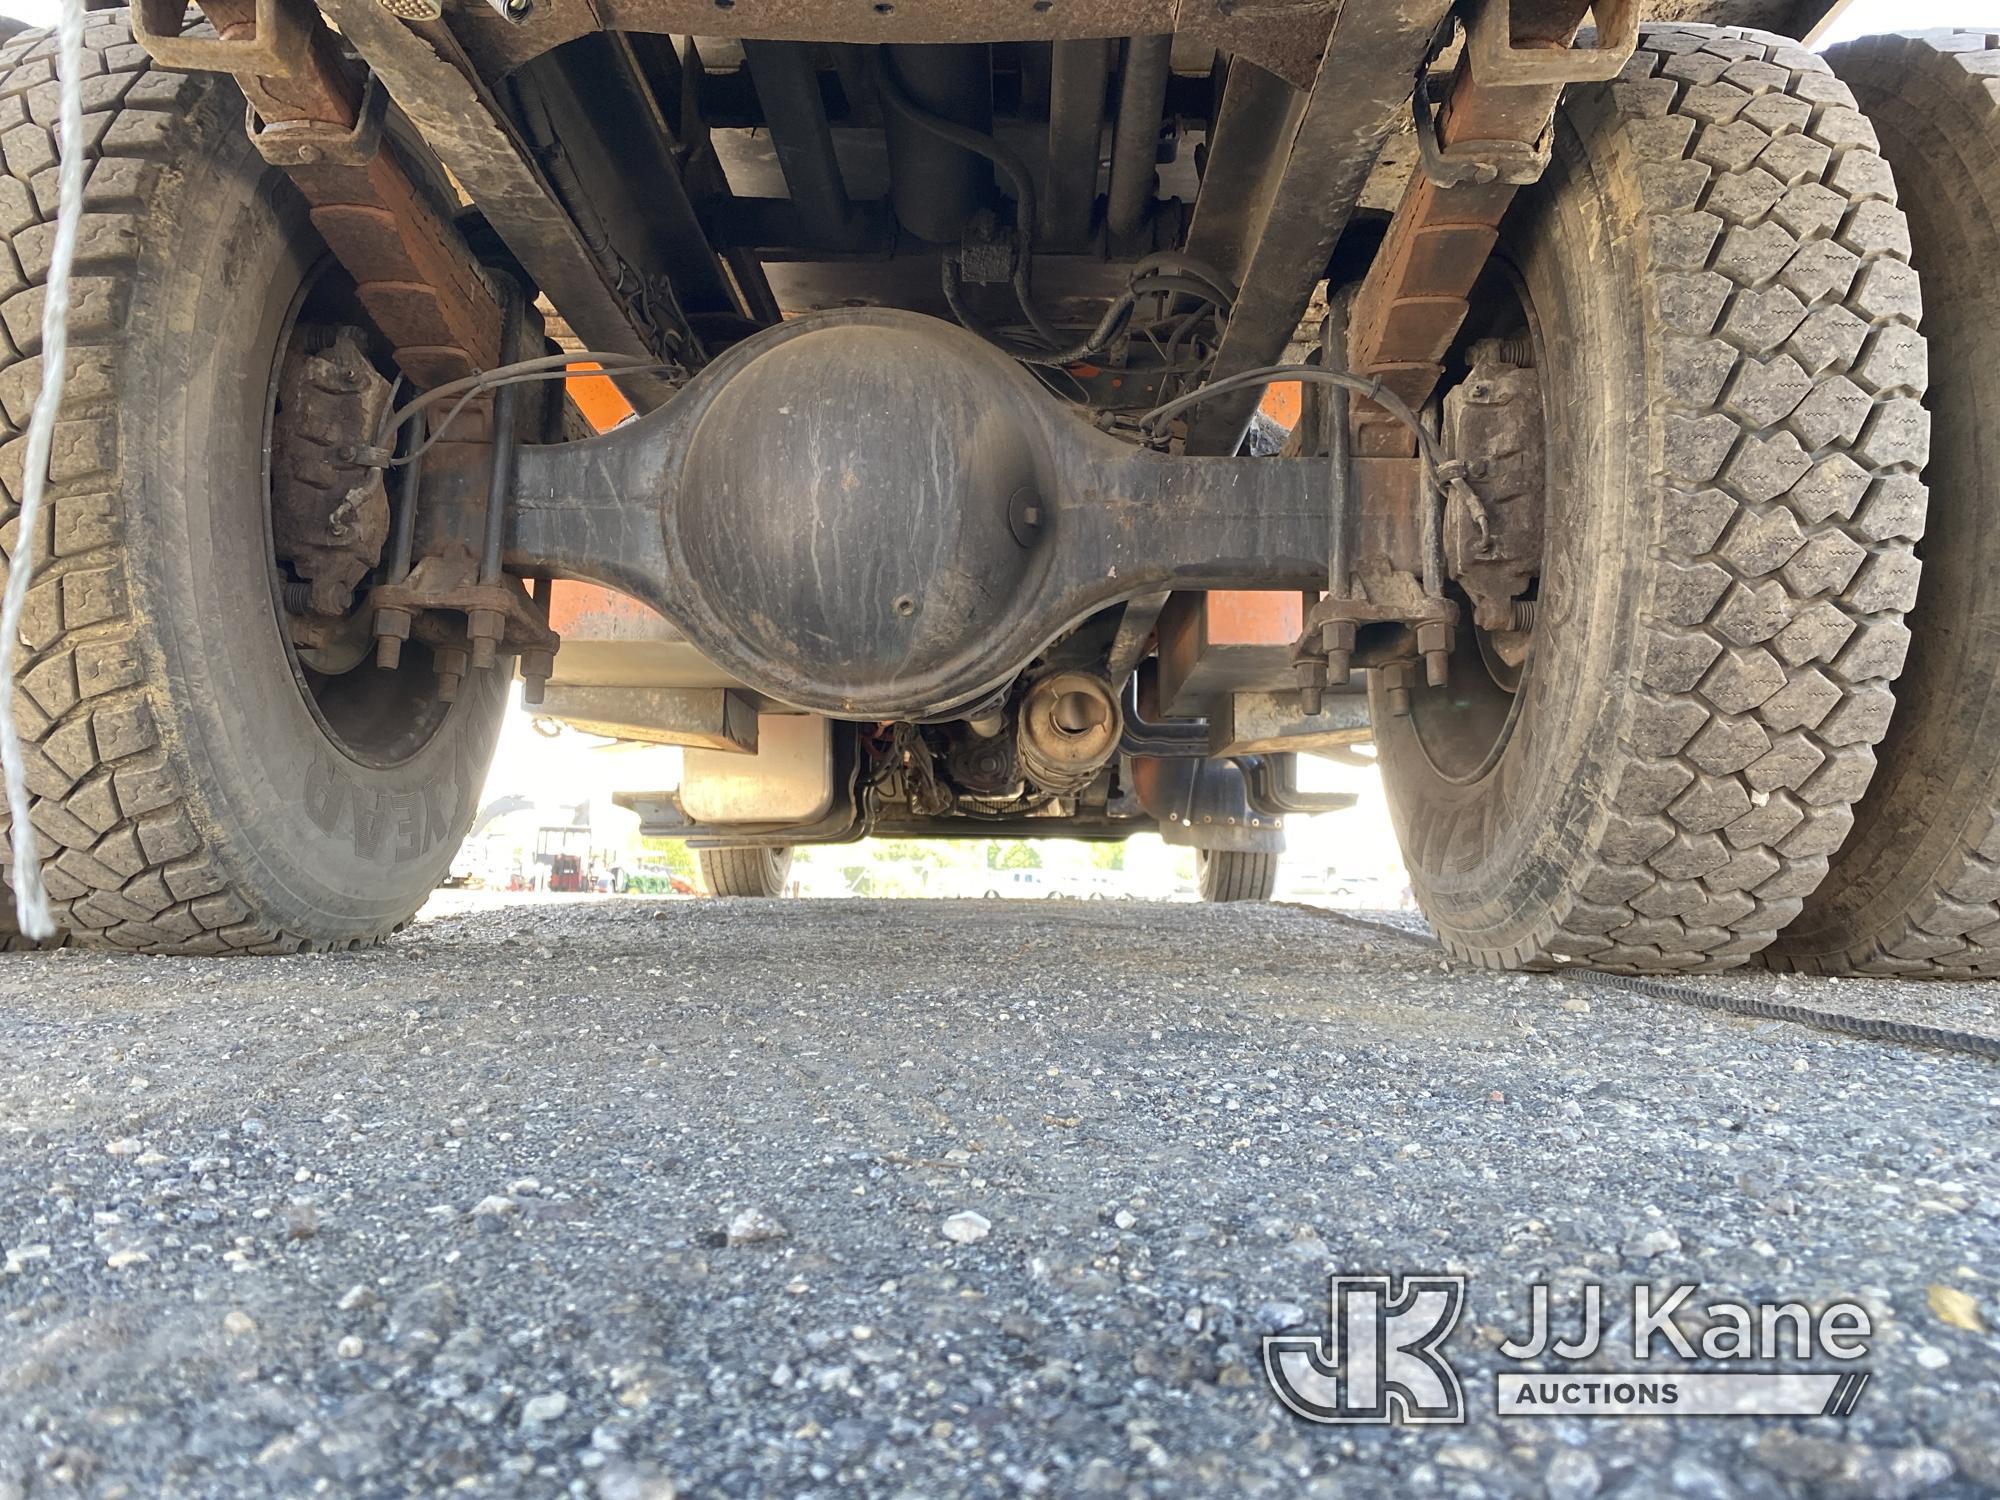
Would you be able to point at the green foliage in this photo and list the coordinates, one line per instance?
(1013, 854)
(673, 853)
(930, 853)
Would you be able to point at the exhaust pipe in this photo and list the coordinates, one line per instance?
(1070, 726)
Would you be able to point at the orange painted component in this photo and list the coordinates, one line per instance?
(1259, 617)
(1281, 403)
(585, 612)
(603, 405)
(591, 613)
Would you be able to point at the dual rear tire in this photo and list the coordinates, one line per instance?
(1702, 766)
(1916, 887)
(1716, 278)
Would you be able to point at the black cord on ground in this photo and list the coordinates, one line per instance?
(1869, 1028)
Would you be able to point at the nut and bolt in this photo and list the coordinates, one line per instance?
(485, 627)
(450, 662)
(1312, 685)
(1434, 644)
(536, 667)
(1336, 639)
(392, 628)
(1396, 679)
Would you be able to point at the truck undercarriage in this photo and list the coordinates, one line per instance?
(926, 344)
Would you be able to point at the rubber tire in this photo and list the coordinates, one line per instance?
(1732, 508)
(749, 870)
(1916, 888)
(1233, 875)
(186, 797)
(11, 940)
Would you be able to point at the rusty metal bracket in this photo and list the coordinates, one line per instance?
(1498, 63)
(1411, 304)
(1329, 647)
(449, 581)
(276, 46)
(1474, 163)
(315, 143)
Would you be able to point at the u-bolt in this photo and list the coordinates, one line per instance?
(487, 626)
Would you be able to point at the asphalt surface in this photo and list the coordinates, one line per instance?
(625, 1199)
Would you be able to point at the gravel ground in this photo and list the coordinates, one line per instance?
(623, 1199)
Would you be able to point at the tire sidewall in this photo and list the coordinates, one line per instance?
(1497, 854)
(318, 841)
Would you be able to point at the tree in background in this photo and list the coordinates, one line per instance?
(673, 853)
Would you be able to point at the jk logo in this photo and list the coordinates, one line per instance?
(1382, 1363)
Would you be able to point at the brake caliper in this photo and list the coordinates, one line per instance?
(329, 505)
(1493, 523)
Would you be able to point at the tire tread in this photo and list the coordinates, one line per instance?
(1782, 561)
(1950, 925)
(124, 859)
(1236, 875)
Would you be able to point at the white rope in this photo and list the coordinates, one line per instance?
(31, 901)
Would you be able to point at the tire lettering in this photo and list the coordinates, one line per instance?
(323, 796)
(391, 827)
(367, 823)
(438, 810)
(411, 824)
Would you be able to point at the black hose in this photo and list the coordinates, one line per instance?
(1374, 390)
(1009, 166)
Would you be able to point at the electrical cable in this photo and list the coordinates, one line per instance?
(557, 366)
(1153, 421)
(31, 900)
(494, 381)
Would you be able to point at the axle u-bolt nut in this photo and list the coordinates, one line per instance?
(485, 626)
(1336, 639)
(392, 628)
(1434, 644)
(450, 663)
(1396, 679)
